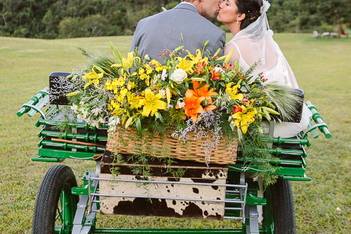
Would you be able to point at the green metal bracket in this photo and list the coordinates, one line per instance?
(48, 160)
(80, 125)
(32, 102)
(279, 151)
(321, 125)
(86, 188)
(289, 172)
(253, 200)
(91, 137)
(280, 140)
(294, 178)
(275, 161)
(63, 154)
(83, 190)
(168, 231)
(70, 146)
(293, 173)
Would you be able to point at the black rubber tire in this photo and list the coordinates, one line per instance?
(58, 178)
(281, 203)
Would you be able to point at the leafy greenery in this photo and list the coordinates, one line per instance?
(84, 18)
(141, 165)
(74, 18)
(301, 15)
(255, 152)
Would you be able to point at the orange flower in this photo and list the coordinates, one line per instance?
(215, 75)
(203, 91)
(192, 105)
(237, 109)
(210, 108)
(194, 98)
(200, 68)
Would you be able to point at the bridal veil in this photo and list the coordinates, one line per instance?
(255, 45)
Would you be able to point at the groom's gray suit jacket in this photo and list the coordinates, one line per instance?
(180, 26)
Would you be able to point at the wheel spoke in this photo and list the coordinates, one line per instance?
(59, 214)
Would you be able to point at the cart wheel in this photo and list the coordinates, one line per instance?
(279, 215)
(55, 205)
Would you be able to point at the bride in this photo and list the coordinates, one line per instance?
(253, 43)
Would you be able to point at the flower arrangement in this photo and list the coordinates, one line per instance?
(187, 93)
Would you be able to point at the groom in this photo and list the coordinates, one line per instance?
(185, 25)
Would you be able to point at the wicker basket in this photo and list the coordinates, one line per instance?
(127, 141)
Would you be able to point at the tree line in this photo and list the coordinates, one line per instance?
(84, 18)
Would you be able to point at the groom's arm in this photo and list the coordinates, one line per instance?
(221, 42)
(136, 37)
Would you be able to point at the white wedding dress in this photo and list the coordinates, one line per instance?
(255, 45)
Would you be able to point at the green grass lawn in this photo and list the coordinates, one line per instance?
(323, 70)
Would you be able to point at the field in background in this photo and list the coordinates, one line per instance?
(323, 70)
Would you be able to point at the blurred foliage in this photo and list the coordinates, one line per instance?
(84, 18)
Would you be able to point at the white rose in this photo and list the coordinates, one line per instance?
(219, 69)
(178, 76)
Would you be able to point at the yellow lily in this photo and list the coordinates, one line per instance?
(131, 85)
(158, 66)
(127, 63)
(244, 118)
(115, 108)
(135, 102)
(111, 85)
(148, 69)
(142, 74)
(152, 103)
(229, 56)
(186, 65)
(197, 57)
(232, 91)
(92, 78)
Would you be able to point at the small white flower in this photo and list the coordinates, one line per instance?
(147, 57)
(164, 75)
(218, 69)
(74, 108)
(84, 114)
(94, 123)
(178, 76)
(113, 123)
(180, 103)
(96, 111)
(162, 92)
(101, 120)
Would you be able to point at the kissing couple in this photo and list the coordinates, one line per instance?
(252, 43)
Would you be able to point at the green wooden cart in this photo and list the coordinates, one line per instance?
(63, 206)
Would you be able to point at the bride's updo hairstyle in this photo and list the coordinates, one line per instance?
(251, 9)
